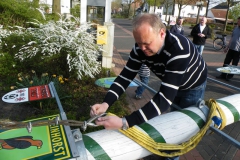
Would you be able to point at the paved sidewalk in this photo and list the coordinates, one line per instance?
(212, 147)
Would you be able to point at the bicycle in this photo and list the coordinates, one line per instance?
(220, 42)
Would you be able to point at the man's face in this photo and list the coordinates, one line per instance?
(179, 21)
(149, 40)
(203, 20)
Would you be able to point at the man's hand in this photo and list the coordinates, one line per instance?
(226, 50)
(110, 122)
(98, 109)
(201, 35)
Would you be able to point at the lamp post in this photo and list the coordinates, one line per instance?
(199, 5)
(183, 13)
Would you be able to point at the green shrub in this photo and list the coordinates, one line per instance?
(58, 44)
(230, 28)
(18, 12)
(8, 71)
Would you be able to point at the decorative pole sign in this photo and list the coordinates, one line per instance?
(28, 94)
(44, 142)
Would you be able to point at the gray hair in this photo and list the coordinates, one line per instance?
(152, 19)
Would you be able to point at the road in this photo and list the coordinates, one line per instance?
(211, 147)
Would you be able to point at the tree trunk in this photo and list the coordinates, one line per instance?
(129, 7)
(226, 18)
(180, 9)
(154, 6)
(207, 8)
(173, 7)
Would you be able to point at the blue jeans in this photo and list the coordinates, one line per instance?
(199, 48)
(140, 89)
(187, 98)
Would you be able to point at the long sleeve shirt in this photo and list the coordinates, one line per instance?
(177, 29)
(200, 40)
(144, 71)
(177, 64)
(235, 40)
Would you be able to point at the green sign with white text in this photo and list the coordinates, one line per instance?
(44, 142)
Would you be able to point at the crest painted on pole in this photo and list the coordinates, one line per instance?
(27, 94)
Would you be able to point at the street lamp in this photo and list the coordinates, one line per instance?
(199, 4)
(183, 13)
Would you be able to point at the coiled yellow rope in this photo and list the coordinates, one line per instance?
(159, 148)
(219, 112)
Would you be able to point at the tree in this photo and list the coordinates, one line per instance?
(167, 4)
(154, 3)
(181, 4)
(75, 11)
(116, 4)
(229, 4)
(234, 12)
(18, 12)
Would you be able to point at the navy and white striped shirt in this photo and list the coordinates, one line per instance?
(178, 65)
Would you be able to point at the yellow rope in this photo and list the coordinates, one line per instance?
(212, 102)
(159, 148)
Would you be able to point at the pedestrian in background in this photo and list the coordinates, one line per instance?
(233, 51)
(178, 28)
(200, 33)
(144, 74)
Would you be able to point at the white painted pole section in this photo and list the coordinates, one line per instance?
(108, 11)
(233, 100)
(175, 127)
(117, 145)
(83, 14)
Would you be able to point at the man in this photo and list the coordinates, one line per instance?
(200, 33)
(178, 28)
(233, 51)
(172, 58)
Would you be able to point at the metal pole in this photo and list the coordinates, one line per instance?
(144, 85)
(224, 84)
(230, 139)
(74, 148)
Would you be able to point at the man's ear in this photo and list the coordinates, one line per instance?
(162, 32)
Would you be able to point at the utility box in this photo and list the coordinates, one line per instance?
(102, 33)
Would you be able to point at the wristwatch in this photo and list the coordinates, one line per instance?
(125, 126)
